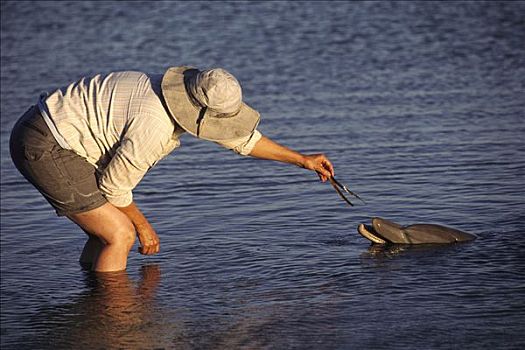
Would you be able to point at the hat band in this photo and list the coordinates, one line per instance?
(225, 115)
(203, 112)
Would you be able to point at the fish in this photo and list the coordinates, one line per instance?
(383, 231)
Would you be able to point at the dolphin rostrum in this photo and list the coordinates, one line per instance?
(383, 231)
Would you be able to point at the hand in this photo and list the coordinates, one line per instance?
(149, 241)
(320, 164)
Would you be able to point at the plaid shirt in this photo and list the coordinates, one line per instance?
(118, 123)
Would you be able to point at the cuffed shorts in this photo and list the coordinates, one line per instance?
(66, 180)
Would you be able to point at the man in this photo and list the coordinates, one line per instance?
(87, 145)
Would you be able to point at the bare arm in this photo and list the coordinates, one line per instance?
(265, 148)
(149, 241)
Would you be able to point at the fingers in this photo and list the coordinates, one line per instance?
(323, 178)
(328, 166)
(324, 169)
(149, 241)
(149, 246)
(321, 165)
(149, 249)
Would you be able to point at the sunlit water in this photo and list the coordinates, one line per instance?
(419, 105)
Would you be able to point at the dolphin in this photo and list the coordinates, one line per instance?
(383, 232)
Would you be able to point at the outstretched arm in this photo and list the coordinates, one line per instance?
(265, 148)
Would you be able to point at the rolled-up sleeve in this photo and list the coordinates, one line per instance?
(244, 145)
(141, 147)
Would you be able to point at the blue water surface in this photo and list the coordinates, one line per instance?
(420, 106)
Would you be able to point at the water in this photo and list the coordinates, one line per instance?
(419, 105)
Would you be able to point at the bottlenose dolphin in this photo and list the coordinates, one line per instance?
(383, 231)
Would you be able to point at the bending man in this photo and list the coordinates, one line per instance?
(86, 146)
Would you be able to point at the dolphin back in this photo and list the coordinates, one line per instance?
(430, 233)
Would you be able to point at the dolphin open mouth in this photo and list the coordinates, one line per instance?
(384, 231)
(369, 233)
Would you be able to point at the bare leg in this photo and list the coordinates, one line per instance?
(91, 251)
(114, 230)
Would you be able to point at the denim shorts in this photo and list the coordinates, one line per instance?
(66, 180)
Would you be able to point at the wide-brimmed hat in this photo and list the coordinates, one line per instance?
(208, 104)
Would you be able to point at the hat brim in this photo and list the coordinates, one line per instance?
(187, 114)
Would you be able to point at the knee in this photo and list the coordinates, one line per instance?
(125, 236)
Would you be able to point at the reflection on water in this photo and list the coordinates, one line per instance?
(112, 312)
(388, 251)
